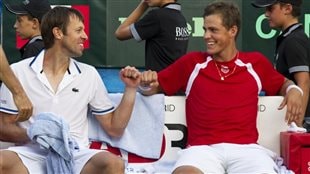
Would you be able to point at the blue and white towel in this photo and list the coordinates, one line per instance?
(144, 133)
(52, 133)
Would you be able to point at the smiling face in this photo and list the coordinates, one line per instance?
(74, 38)
(221, 25)
(216, 36)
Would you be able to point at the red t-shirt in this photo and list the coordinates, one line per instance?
(221, 111)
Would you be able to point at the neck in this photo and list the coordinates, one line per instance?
(55, 63)
(289, 23)
(226, 56)
(167, 2)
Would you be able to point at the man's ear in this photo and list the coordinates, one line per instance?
(288, 8)
(233, 31)
(57, 33)
(36, 23)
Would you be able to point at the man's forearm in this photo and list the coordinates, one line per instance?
(285, 86)
(136, 14)
(7, 75)
(11, 132)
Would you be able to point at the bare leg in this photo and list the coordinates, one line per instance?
(104, 163)
(187, 170)
(10, 163)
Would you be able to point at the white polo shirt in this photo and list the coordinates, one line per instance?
(80, 88)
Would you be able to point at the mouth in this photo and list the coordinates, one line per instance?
(81, 46)
(210, 44)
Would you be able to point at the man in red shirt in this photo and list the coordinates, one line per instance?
(222, 87)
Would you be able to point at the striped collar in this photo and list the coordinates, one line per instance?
(34, 39)
(37, 64)
(174, 6)
(291, 29)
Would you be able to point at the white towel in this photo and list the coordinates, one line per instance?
(294, 128)
(144, 133)
(282, 168)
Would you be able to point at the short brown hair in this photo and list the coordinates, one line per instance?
(57, 17)
(228, 11)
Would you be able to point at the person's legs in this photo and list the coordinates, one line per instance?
(99, 161)
(251, 158)
(187, 170)
(198, 160)
(10, 163)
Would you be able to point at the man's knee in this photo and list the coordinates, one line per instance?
(105, 162)
(187, 169)
(11, 163)
(4, 162)
(116, 162)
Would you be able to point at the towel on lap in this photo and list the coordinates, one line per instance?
(144, 133)
(52, 133)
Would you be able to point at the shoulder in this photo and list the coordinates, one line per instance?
(37, 44)
(298, 37)
(22, 64)
(83, 67)
(192, 58)
(197, 54)
(154, 12)
(253, 57)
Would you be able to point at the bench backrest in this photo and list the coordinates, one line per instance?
(270, 123)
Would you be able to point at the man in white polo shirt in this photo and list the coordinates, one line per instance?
(58, 84)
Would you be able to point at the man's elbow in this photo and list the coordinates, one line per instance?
(122, 34)
(116, 133)
(118, 35)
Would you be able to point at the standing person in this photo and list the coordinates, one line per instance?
(58, 84)
(164, 29)
(27, 25)
(222, 87)
(292, 54)
(21, 100)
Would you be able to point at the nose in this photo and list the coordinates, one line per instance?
(206, 34)
(15, 24)
(84, 35)
(267, 12)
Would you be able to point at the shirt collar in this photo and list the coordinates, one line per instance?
(290, 29)
(174, 6)
(34, 39)
(37, 64)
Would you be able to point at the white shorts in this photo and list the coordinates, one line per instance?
(229, 158)
(33, 157)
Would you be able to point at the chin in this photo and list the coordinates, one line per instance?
(77, 54)
(212, 52)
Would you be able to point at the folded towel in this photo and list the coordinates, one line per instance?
(294, 128)
(52, 133)
(144, 133)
